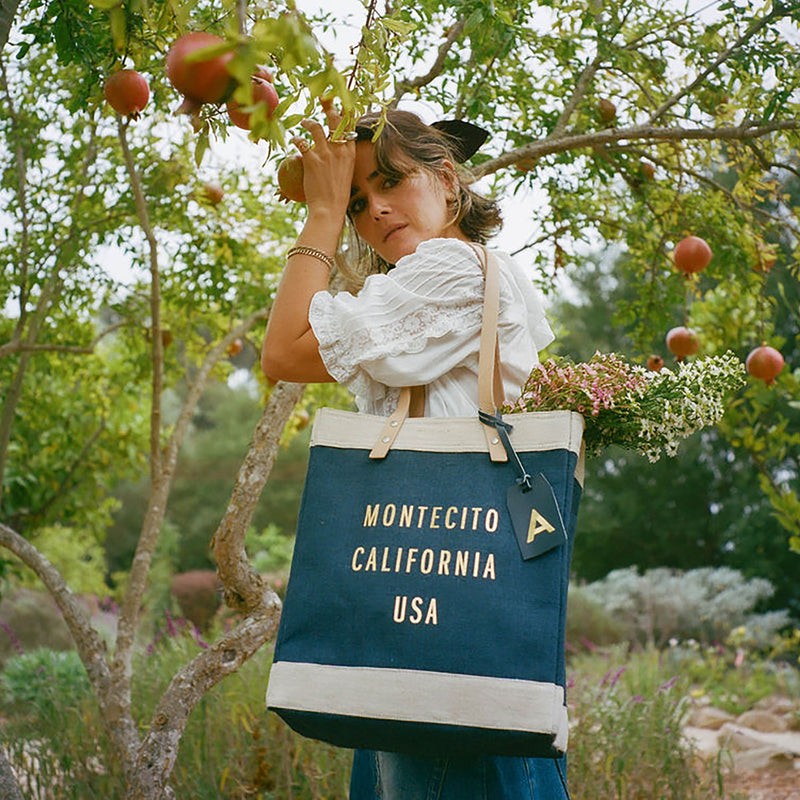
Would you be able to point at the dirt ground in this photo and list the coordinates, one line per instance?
(764, 785)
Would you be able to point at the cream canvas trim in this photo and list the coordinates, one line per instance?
(469, 700)
(533, 431)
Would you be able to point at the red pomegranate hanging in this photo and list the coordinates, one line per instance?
(263, 92)
(204, 81)
(691, 254)
(127, 92)
(764, 363)
(682, 342)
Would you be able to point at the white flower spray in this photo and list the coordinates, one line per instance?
(628, 405)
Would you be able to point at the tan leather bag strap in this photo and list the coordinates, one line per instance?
(491, 394)
(490, 380)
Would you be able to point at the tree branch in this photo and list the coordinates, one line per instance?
(154, 516)
(197, 387)
(155, 303)
(28, 325)
(8, 10)
(245, 591)
(577, 95)
(159, 749)
(17, 346)
(756, 26)
(409, 84)
(645, 133)
(91, 648)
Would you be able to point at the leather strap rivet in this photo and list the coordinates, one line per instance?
(495, 440)
(394, 423)
(385, 439)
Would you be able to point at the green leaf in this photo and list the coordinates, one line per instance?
(398, 26)
(201, 145)
(118, 20)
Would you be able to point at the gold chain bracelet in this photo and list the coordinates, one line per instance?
(314, 253)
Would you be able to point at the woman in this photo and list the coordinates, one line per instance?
(415, 322)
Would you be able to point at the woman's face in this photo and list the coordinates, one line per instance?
(393, 217)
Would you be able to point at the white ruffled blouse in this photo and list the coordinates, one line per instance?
(420, 325)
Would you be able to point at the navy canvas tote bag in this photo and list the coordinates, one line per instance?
(418, 618)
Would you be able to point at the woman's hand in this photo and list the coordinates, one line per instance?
(327, 166)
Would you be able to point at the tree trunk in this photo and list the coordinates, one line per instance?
(245, 591)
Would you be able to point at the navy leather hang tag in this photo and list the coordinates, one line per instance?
(536, 518)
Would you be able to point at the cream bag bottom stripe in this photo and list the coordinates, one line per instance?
(468, 700)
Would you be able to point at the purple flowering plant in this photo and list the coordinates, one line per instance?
(632, 406)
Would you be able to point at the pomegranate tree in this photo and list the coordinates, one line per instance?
(205, 80)
(764, 363)
(682, 342)
(691, 254)
(127, 92)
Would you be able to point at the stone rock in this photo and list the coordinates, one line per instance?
(778, 704)
(764, 721)
(734, 737)
(710, 718)
(765, 757)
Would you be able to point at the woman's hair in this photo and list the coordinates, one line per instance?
(405, 145)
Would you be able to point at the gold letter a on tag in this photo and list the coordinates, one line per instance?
(537, 525)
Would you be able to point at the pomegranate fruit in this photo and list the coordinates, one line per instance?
(691, 254)
(263, 92)
(607, 110)
(648, 170)
(205, 81)
(263, 73)
(655, 363)
(290, 180)
(682, 342)
(213, 193)
(235, 347)
(127, 92)
(764, 363)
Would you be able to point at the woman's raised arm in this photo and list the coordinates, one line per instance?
(290, 350)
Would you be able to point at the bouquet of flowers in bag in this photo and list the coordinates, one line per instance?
(628, 405)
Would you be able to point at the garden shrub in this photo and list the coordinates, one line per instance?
(589, 625)
(43, 682)
(30, 619)
(705, 604)
(198, 595)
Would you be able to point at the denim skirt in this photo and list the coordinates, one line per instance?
(394, 776)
